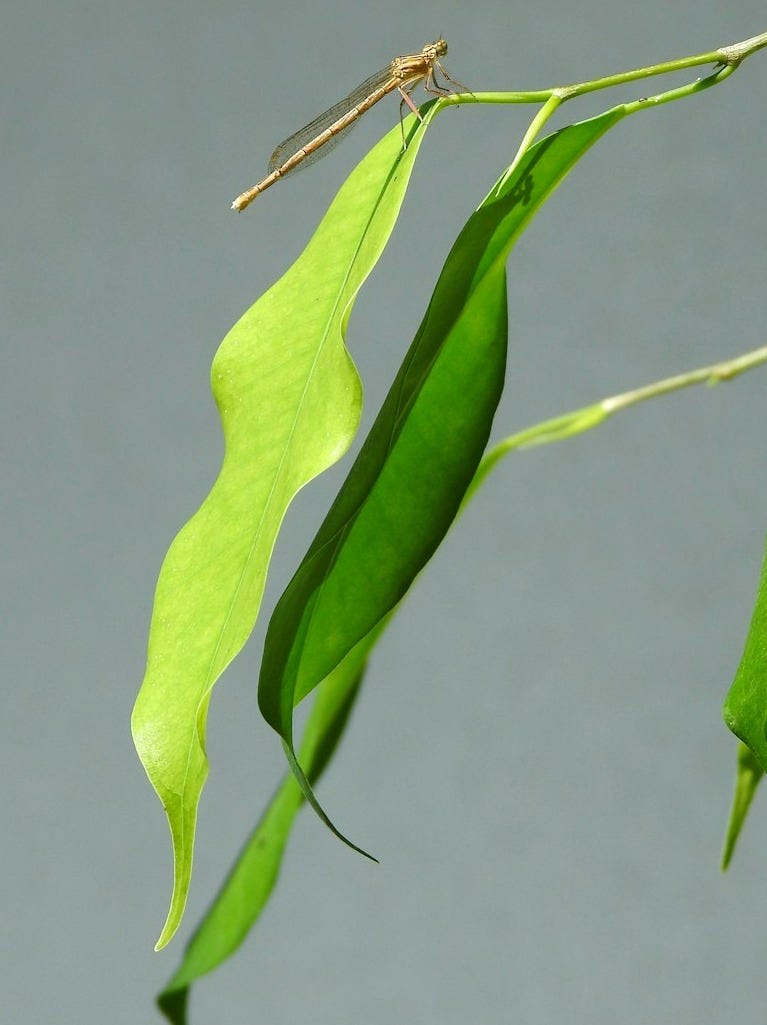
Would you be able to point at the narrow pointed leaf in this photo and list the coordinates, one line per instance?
(408, 481)
(748, 777)
(745, 708)
(745, 713)
(289, 398)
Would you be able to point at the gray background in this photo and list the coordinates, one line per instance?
(538, 758)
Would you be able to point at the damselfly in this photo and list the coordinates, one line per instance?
(319, 136)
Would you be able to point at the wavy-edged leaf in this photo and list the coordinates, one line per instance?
(289, 398)
(251, 880)
(408, 481)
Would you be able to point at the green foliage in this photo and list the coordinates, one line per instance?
(395, 506)
(411, 475)
(249, 884)
(745, 712)
(745, 708)
(747, 779)
(289, 398)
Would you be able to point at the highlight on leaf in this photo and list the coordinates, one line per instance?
(418, 467)
(289, 398)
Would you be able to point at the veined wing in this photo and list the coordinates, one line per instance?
(288, 147)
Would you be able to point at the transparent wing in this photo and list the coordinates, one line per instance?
(279, 156)
(322, 122)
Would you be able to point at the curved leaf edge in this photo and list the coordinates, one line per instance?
(173, 998)
(279, 713)
(181, 807)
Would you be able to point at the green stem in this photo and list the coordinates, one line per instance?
(710, 375)
(587, 417)
(530, 136)
(725, 58)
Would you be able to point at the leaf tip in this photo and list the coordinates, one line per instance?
(309, 794)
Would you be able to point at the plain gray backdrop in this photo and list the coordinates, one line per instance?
(538, 756)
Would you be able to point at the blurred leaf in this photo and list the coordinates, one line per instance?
(745, 713)
(289, 398)
(745, 708)
(410, 477)
(748, 777)
(251, 880)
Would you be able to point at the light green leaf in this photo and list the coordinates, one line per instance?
(250, 882)
(289, 398)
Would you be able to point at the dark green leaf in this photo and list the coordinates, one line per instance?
(408, 481)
